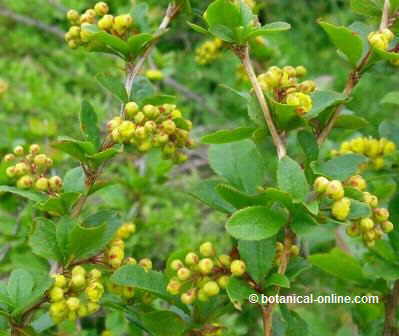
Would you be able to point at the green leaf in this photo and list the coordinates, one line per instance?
(302, 221)
(43, 241)
(88, 123)
(137, 43)
(74, 180)
(111, 42)
(258, 256)
(226, 136)
(339, 168)
(352, 122)
(223, 13)
(340, 265)
(198, 28)
(345, 40)
(322, 100)
(30, 195)
(98, 158)
(239, 199)
(114, 85)
(286, 116)
(391, 98)
(238, 291)
(240, 163)
(205, 191)
(279, 280)
(86, 241)
(376, 268)
(164, 323)
(309, 145)
(270, 28)
(20, 287)
(75, 148)
(136, 276)
(365, 7)
(59, 205)
(291, 178)
(255, 223)
(359, 210)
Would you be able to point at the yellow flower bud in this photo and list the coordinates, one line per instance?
(335, 190)
(223, 281)
(56, 294)
(101, 8)
(389, 148)
(225, 260)
(191, 259)
(205, 265)
(183, 274)
(173, 287)
(189, 297)
(128, 292)
(238, 267)
(300, 71)
(146, 263)
(357, 182)
(211, 288)
(42, 184)
(387, 226)
(366, 224)
(320, 184)
(95, 291)
(73, 16)
(73, 303)
(176, 264)
(381, 214)
(370, 199)
(207, 249)
(341, 208)
(59, 280)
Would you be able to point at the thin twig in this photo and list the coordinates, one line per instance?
(135, 69)
(31, 22)
(131, 71)
(246, 61)
(353, 79)
(267, 311)
(385, 15)
(391, 304)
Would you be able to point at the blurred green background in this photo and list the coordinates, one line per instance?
(47, 82)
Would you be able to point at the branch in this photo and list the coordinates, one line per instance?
(133, 70)
(391, 303)
(31, 22)
(243, 54)
(267, 311)
(353, 79)
(385, 15)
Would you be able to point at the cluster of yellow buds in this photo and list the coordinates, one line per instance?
(381, 39)
(30, 168)
(374, 149)
(204, 275)
(293, 251)
(154, 74)
(3, 87)
(208, 51)
(153, 126)
(79, 33)
(75, 295)
(283, 85)
(370, 228)
(115, 253)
